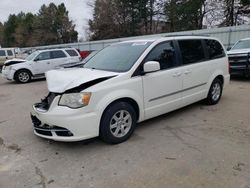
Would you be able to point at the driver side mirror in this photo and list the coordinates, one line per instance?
(228, 48)
(151, 66)
(36, 59)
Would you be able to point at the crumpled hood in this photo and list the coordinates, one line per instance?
(59, 81)
(238, 51)
(13, 61)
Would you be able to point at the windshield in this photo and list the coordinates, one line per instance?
(32, 56)
(117, 58)
(242, 44)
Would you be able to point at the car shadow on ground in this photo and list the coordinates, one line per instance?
(240, 78)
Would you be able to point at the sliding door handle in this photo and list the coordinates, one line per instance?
(187, 71)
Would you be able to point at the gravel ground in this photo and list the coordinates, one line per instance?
(194, 147)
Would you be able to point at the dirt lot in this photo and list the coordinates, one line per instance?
(195, 147)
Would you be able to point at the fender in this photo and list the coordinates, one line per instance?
(119, 94)
(213, 76)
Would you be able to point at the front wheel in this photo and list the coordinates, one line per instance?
(23, 76)
(215, 92)
(118, 123)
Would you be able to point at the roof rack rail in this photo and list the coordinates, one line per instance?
(186, 35)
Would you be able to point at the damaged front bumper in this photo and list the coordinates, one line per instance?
(61, 123)
(8, 74)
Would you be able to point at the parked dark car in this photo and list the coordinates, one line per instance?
(239, 56)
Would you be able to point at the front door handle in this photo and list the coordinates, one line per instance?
(177, 74)
(48, 63)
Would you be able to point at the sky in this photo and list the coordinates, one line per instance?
(79, 11)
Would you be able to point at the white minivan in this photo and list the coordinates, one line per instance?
(37, 63)
(127, 83)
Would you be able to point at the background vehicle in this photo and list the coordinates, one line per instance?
(239, 58)
(5, 54)
(37, 63)
(130, 82)
(78, 64)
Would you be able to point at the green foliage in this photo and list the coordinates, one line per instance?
(245, 2)
(122, 18)
(1, 33)
(50, 26)
(118, 18)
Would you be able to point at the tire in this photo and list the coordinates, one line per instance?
(115, 129)
(22, 76)
(215, 92)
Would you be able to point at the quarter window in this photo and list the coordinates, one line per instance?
(2, 53)
(58, 54)
(163, 53)
(214, 48)
(72, 53)
(43, 56)
(10, 53)
(191, 51)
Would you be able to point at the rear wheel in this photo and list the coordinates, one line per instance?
(118, 123)
(23, 76)
(215, 92)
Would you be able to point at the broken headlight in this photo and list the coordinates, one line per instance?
(75, 100)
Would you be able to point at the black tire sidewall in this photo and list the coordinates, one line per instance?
(105, 132)
(16, 77)
(210, 100)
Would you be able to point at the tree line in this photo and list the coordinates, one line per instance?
(51, 25)
(122, 18)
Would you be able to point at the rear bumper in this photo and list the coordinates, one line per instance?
(240, 70)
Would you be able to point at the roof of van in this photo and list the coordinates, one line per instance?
(172, 37)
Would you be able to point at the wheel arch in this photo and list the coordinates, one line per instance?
(128, 100)
(22, 69)
(221, 78)
(216, 75)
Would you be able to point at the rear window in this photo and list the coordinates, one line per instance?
(191, 51)
(10, 53)
(214, 48)
(58, 54)
(72, 53)
(2, 53)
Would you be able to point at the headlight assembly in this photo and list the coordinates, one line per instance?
(75, 100)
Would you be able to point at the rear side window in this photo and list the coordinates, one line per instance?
(2, 53)
(72, 53)
(164, 54)
(58, 54)
(214, 48)
(10, 53)
(191, 51)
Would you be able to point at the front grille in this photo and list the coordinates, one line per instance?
(42, 132)
(238, 60)
(47, 130)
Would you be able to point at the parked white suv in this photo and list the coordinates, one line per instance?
(130, 82)
(37, 63)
